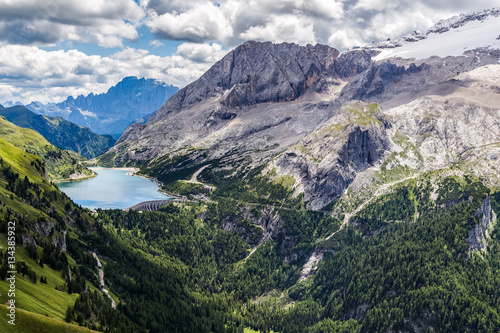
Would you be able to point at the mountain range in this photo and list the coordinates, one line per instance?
(325, 191)
(278, 104)
(131, 100)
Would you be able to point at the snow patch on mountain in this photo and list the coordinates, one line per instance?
(451, 37)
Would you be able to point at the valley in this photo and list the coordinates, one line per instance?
(308, 190)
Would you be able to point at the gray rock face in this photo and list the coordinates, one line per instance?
(444, 131)
(326, 161)
(373, 81)
(259, 95)
(351, 63)
(480, 234)
(131, 132)
(256, 73)
(265, 72)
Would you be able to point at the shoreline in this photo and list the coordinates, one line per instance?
(157, 182)
(67, 180)
(133, 170)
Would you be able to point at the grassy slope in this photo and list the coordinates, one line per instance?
(60, 132)
(40, 298)
(29, 322)
(20, 162)
(60, 163)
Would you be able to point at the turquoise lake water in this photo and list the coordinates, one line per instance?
(112, 188)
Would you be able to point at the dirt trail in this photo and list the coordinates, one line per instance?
(101, 278)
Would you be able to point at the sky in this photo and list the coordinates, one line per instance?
(52, 49)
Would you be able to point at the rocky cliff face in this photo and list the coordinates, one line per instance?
(326, 161)
(256, 73)
(113, 111)
(479, 235)
(376, 78)
(258, 96)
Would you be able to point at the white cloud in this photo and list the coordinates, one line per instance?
(103, 22)
(281, 29)
(209, 53)
(345, 38)
(29, 73)
(156, 43)
(341, 23)
(205, 22)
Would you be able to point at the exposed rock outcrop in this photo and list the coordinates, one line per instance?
(444, 131)
(375, 79)
(326, 161)
(258, 96)
(479, 235)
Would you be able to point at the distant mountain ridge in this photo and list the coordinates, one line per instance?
(60, 132)
(112, 112)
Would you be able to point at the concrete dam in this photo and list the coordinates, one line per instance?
(151, 206)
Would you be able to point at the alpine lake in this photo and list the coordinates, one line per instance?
(112, 189)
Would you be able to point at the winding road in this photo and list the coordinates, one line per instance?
(194, 178)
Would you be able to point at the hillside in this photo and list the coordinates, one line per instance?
(272, 106)
(29, 322)
(347, 192)
(59, 132)
(131, 100)
(59, 164)
(364, 186)
(49, 278)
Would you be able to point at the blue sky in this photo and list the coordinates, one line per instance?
(55, 48)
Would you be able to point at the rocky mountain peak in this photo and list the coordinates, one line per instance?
(112, 112)
(264, 72)
(255, 73)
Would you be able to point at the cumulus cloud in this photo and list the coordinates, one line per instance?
(156, 43)
(201, 52)
(103, 22)
(341, 23)
(281, 29)
(204, 22)
(29, 73)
